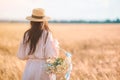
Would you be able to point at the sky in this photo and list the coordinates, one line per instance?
(61, 9)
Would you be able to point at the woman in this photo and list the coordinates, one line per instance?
(36, 47)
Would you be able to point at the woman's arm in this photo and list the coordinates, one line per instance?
(21, 51)
(51, 47)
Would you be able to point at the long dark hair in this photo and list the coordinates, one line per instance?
(33, 34)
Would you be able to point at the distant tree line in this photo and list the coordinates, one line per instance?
(70, 21)
(84, 21)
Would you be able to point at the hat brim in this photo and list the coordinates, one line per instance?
(30, 18)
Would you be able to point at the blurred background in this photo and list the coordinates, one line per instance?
(89, 29)
(88, 10)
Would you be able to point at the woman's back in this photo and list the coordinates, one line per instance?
(36, 63)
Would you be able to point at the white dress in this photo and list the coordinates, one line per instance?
(35, 68)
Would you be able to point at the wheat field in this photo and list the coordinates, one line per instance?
(95, 49)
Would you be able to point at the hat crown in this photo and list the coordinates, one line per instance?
(38, 12)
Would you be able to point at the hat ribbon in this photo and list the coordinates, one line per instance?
(38, 17)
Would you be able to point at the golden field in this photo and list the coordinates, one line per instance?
(95, 49)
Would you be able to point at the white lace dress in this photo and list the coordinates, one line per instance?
(35, 68)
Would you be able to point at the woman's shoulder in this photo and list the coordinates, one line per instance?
(47, 32)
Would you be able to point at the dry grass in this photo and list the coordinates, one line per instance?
(95, 49)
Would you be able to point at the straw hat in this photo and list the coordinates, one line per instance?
(38, 15)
